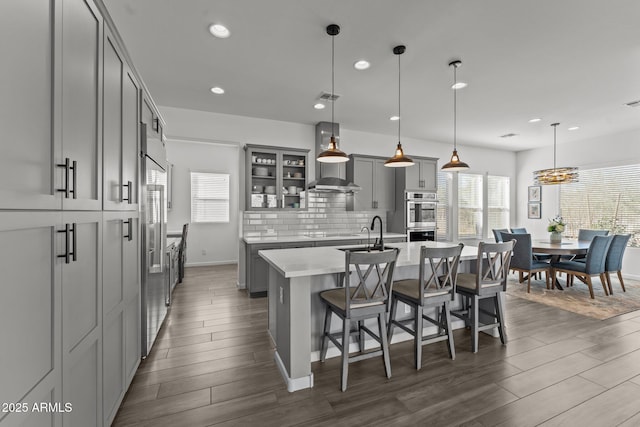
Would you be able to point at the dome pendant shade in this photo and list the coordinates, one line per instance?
(455, 164)
(399, 160)
(332, 154)
(564, 175)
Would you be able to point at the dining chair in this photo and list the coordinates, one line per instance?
(182, 252)
(523, 261)
(435, 288)
(613, 262)
(367, 283)
(585, 235)
(489, 282)
(519, 230)
(497, 233)
(594, 265)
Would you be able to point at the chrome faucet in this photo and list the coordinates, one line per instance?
(368, 235)
(379, 244)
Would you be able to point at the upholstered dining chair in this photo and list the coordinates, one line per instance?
(489, 282)
(497, 233)
(594, 265)
(585, 235)
(367, 283)
(523, 260)
(519, 230)
(435, 289)
(613, 262)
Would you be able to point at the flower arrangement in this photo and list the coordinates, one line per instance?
(556, 225)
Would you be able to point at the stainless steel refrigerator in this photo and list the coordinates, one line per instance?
(153, 212)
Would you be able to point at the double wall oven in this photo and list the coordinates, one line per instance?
(421, 210)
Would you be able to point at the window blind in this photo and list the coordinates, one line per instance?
(470, 206)
(498, 189)
(444, 205)
(604, 198)
(209, 197)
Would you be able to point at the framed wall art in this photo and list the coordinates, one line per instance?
(534, 211)
(535, 193)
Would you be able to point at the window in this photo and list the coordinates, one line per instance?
(444, 205)
(470, 206)
(498, 203)
(209, 197)
(605, 198)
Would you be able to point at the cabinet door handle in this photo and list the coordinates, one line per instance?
(75, 241)
(74, 168)
(128, 198)
(67, 255)
(66, 165)
(129, 222)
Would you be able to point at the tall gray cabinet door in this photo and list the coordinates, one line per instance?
(429, 172)
(81, 103)
(131, 287)
(30, 314)
(31, 145)
(130, 138)
(82, 320)
(413, 180)
(363, 176)
(113, 73)
(384, 186)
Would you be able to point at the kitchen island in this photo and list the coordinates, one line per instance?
(296, 313)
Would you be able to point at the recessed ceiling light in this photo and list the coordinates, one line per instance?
(574, 128)
(459, 85)
(394, 118)
(536, 120)
(217, 90)
(219, 31)
(362, 64)
(319, 106)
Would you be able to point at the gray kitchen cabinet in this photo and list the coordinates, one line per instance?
(81, 298)
(422, 176)
(120, 299)
(81, 106)
(120, 136)
(258, 270)
(320, 243)
(31, 313)
(32, 146)
(376, 180)
(275, 176)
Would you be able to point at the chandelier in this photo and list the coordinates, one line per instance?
(563, 175)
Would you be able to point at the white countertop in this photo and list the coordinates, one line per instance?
(301, 262)
(319, 236)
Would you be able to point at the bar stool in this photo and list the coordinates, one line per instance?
(367, 282)
(489, 281)
(435, 288)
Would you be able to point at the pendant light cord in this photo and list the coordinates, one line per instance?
(333, 101)
(399, 116)
(455, 82)
(554, 145)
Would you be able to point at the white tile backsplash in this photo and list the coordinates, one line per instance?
(326, 213)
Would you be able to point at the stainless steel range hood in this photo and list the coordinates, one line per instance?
(331, 184)
(330, 177)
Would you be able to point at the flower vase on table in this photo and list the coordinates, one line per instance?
(556, 227)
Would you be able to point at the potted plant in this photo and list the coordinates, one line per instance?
(556, 227)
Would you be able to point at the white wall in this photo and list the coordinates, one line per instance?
(207, 243)
(610, 150)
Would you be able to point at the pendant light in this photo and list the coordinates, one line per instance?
(565, 175)
(455, 164)
(332, 154)
(399, 160)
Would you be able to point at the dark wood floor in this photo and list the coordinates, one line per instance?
(213, 365)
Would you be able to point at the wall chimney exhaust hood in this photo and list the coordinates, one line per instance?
(330, 177)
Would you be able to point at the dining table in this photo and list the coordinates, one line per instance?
(556, 250)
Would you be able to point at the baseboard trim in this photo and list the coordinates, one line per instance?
(210, 263)
(293, 384)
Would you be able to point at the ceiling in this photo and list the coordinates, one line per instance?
(576, 62)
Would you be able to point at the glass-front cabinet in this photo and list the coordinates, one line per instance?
(275, 177)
